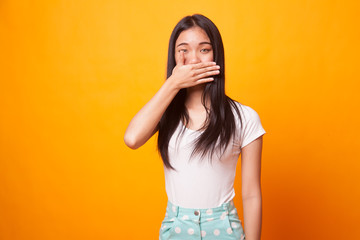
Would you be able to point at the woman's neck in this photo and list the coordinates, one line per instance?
(194, 96)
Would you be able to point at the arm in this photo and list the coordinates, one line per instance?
(251, 188)
(145, 122)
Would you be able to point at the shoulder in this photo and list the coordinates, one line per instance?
(246, 112)
(250, 126)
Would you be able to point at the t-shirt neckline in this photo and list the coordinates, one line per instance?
(189, 129)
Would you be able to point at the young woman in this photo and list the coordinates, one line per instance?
(201, 133)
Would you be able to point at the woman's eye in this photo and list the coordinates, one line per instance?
(184, 50)
(205, 50)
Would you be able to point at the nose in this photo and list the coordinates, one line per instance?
(193, 57)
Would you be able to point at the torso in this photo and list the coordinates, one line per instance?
(200, 183)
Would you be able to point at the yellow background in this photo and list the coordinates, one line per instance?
(74, 73)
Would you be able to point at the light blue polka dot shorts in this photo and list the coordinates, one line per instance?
(201, 224)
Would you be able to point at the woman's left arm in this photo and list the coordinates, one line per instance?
(251, 188)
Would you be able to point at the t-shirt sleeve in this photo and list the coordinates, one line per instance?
(252, 127)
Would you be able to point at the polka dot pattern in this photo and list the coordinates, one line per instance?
(234, 225)
(223, 215)
(210, 223)
(185, 217)
(191, 231)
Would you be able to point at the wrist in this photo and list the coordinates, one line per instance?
(172, 85)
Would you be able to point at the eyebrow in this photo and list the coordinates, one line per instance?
(184, 43)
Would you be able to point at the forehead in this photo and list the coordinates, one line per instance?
(192, 35)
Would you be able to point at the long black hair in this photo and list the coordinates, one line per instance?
(220, 123)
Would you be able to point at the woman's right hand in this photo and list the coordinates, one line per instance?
(189, 75)
(144, 123)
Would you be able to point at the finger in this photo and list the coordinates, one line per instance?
(180, 59)
(206, 69)
(203, 64)
(205, 80)
(206, 74)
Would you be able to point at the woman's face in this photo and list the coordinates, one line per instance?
(195, 44)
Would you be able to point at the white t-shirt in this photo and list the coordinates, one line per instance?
(198, 183)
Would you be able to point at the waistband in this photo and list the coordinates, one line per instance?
(201, 214)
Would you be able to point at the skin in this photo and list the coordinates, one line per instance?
(194, 68)
(188, 73)
(194, 46)
(251, 188)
